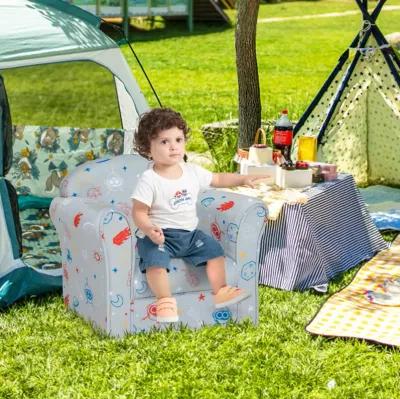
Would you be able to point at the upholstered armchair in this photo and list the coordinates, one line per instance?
(101, 280)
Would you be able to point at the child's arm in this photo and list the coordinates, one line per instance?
(222, 180)
(140, 214)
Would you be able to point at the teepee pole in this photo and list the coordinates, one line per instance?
(342, 59)
(344, 82)
(387, 52)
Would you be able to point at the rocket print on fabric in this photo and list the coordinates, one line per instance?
(77, 219)
(225, 206)
(122, 236)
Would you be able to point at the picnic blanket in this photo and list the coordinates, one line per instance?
(384, 206)
(369, 307)
(273, 197)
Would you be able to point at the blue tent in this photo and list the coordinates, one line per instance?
(37, 32)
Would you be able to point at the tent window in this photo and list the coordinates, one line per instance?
(76, 94)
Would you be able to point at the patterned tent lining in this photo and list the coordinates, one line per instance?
(40, 243)
(42, 157)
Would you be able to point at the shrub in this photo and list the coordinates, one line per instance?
(222, 139)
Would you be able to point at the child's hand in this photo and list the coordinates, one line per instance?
(156, 235)
(253, 180)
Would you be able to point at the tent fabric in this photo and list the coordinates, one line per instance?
(33, 202)
(5, 131)
(113, 60)
(44, 155)
(52, 31)
(356, 118)
(24, 281)
(45, 28)
(363, 135)
(37, 32)
(8, 197)
(6, 252)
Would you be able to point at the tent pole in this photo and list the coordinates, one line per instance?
(342, 86)
(381, 41)
(342, 59)
(125, 13)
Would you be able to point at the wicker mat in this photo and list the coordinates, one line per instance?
(369, 307)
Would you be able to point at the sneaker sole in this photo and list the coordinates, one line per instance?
(172, 319)
(233, 301)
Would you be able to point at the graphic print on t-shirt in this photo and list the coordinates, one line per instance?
(181, 197)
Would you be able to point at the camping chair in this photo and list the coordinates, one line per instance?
(101, 280)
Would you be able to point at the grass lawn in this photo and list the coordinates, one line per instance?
(196, 73)
(50, 353)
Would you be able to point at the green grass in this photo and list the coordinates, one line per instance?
(196, 73)
(314, 7)
(50, 353)
(47, 352)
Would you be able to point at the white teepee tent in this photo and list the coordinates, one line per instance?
(356, 114)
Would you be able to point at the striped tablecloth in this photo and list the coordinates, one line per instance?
(310, 244)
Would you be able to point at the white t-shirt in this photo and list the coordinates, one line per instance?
(172, 202)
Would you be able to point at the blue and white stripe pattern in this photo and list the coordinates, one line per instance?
(310, 244)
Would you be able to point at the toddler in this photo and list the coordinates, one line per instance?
(164, 210)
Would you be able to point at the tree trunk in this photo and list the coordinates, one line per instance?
(247, 71)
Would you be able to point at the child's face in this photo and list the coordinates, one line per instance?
(168, 148)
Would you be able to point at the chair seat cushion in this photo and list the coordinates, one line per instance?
(183, 277)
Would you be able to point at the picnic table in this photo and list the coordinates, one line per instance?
(313, 241)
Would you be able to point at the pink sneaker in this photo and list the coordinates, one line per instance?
(167, 311)
(228, 295)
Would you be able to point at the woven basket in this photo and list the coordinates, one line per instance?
(243, 153)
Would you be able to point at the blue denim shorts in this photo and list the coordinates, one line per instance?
(194, 247)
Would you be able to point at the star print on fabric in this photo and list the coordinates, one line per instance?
(202, 297)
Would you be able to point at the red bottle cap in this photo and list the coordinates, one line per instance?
(285, 111)
(301, 165)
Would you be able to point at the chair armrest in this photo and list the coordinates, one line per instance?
(98, 252)
(235, 220)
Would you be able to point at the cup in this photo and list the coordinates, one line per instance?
(307, 150)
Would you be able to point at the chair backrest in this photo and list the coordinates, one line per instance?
(43, 155)
(110, 180)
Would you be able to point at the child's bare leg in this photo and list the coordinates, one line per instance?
(216, 273)
(227, 295)
(157, 278)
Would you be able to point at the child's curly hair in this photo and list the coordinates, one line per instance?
(151, 123)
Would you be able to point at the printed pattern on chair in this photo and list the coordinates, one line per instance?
(102, 282)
